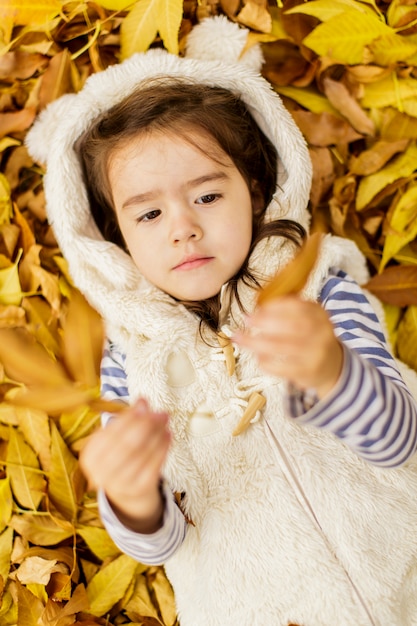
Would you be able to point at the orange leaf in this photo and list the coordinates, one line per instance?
(292, 278)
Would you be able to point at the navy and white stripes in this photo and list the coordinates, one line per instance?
(154, 549)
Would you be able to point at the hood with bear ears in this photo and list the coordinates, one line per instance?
(102, 271)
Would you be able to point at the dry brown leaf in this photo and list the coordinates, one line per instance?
(255, 15)
(324, 129)
(339, 96)
(57, 79)
(324, 174)
(20, 64)
(293, 277)
(371, 160)
(16, 121)
(396, 285)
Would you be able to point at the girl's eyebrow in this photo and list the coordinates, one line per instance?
(148, 196)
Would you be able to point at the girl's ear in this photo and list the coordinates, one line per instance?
(258, 200)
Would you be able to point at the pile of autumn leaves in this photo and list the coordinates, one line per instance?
(346, 69)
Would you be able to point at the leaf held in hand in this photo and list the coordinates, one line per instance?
(292, 278)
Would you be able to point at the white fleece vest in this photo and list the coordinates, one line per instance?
(289, 526)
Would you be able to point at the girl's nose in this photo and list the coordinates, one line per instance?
(184, 227)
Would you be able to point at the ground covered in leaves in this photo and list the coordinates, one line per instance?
(347, 71)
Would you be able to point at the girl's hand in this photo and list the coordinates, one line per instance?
(124, 459)
(294, 339)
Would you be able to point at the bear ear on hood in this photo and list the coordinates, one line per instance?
(42, 135)
(219, 39)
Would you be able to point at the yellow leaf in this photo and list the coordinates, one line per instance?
(392, 316)
(391, 49)
(139, 28)
(410, 106)
(42, 323)
(398, 125)
(407, 337)
(65, 479)
(34, 425)
(5, 201)
(11, 316)
(32, 12)
(8, 142)
(48, 284)
(29, 607)
(402, 226)
(116, 5)
(344, 37)
(165, 597)
(8, 609)
(82, 340)
(98, 541)
(169, 18)
(109, 585)
(141, 604)
(27, 362)
(42, 530)
(6, 545)
(78, 424)
(327, 9)
(308, 98)
(26, 479)
(401, 166)
(6, 505)
(292, 278)
(389, 91)
(10, 288)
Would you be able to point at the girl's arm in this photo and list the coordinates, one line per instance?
(152, 547)
(370, 408)
(341, 375)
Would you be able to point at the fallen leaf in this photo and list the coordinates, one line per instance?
(65, 479)
(255, 15)
(29, 607)
(395, 285)
(139, 28)
(108, 586)
(16, 121)
(6, 506)
(344, 36)
(407, 337)
(402, 166)
(43, 529)
(371, 160)
(339, 96)
(402, 225)
(26, 478)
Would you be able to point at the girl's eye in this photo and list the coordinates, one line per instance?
(208, 198)
(149, 216)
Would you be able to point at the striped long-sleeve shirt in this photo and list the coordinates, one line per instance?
(370, 408)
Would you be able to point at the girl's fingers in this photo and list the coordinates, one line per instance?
(125, 446)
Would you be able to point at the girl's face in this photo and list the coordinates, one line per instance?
(185, 217)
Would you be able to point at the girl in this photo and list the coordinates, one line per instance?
(176, 187)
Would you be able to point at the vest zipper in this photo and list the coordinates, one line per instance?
(293, 480)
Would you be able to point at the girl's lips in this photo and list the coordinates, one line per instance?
(193, 263)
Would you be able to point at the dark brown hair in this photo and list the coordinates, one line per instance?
(179, 106)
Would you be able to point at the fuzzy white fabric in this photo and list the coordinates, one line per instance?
(290, 526)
